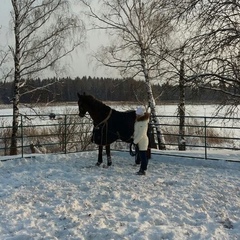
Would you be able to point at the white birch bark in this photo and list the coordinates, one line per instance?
(16, 83)
(152, 104)
(45, 32)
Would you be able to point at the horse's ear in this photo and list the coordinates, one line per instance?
(78, 95)
(84, 93)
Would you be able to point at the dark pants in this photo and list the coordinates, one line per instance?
(144, 160)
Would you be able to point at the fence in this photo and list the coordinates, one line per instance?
(70, 133)
(47, 134)
(216, 136)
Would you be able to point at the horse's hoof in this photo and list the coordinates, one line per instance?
(109, 164)
(98, 164)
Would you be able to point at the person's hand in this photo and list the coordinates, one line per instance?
(133, 147)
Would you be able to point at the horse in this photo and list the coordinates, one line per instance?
(109, 124)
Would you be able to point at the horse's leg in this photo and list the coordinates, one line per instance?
(100, 149)
(109, 159)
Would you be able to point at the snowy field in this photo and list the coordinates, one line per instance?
(165, 109)
(66, 197)
(162, 110)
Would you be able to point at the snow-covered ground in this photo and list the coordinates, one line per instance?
(67, 197)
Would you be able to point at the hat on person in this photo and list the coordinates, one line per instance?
(140, 111)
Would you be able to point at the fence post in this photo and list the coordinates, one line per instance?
(205, 136)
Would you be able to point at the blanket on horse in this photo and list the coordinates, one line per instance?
(114, 127)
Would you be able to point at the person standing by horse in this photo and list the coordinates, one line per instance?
(140, 137)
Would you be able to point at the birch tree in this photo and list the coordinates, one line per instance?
(45, 31)
(214, 48)
(138, 31)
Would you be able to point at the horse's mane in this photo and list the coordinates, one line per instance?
(95, 102)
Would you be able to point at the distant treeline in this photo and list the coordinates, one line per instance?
(106, 89)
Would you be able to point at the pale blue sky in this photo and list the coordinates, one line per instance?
(80, 61)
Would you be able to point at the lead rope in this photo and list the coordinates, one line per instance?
(105, 123)
(105, 120)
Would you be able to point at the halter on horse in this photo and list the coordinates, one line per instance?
(109, 124)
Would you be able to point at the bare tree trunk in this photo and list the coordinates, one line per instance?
(181, 109)
(16, 53)
(44, 34)
(152, 103)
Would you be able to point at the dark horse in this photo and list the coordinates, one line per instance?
(109, 124)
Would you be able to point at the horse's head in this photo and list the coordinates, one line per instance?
(81, 105)
(96, 109)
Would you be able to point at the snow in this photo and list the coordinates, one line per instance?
(164, 109)
(68, 197)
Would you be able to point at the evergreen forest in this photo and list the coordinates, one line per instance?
(105, 89)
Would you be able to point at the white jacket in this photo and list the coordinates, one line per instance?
(140, 132)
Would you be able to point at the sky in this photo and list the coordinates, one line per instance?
(81, 61)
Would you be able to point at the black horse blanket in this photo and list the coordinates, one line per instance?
(117, 125)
